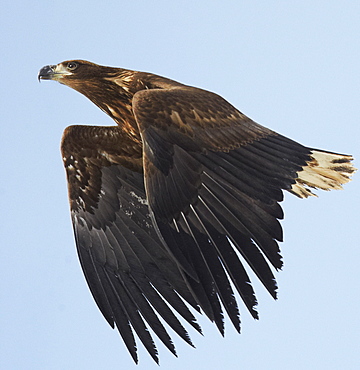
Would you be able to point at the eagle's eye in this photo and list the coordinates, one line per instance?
(72, 66)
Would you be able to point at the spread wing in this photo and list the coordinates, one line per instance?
(132, 277)
(216, 176)
(164, 220)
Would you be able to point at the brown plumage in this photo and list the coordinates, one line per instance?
(164, 203)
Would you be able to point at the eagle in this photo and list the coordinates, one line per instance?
(173, 202)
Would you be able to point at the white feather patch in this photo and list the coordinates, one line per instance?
(324, 171)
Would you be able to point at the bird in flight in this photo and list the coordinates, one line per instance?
(170, 204)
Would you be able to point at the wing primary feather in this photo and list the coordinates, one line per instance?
(230, 259)
(247, 249)
(91, 274)
(130, 310)
(156, 301)
(118, 313)
(205, 276)
(159, 266)
(244, 221)
(175, 242)
(242, 204)
(158, 279)
(186, 244)
(135, 293)
(120, 287)
(207, 250)
(216, 268)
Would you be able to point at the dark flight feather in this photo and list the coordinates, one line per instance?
(167, 204)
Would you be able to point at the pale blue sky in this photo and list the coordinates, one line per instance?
(292, 66)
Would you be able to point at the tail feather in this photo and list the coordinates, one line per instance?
(324, 170)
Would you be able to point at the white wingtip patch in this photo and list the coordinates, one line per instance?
(324, 171)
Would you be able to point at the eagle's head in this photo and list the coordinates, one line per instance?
(108, 87)
(78, 72)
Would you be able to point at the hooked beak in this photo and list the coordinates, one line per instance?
(47, 73)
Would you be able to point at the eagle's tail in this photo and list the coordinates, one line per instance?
(324, 170)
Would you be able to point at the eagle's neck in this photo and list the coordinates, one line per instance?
(113, 95)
